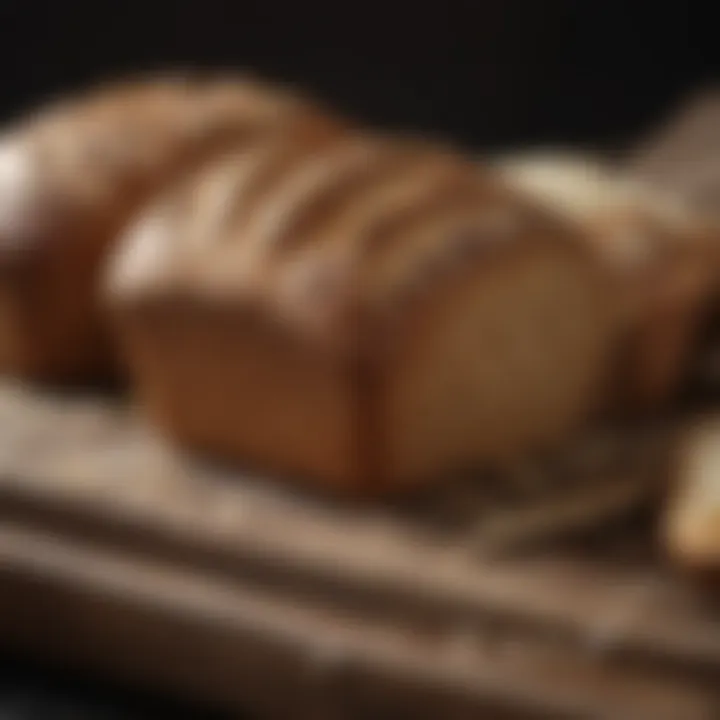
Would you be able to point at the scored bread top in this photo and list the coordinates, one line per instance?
(328, 233)
(78, 160)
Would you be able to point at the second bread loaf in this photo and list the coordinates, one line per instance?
(73, 175)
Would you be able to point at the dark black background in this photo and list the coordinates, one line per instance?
(32, 691)
(484, 73)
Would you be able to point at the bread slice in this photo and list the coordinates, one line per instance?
(661, 255)
(369, 316)
(691, 527)
(73, 174)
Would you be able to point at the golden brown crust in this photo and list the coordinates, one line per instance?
(348, 225)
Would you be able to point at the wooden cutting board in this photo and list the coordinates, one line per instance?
(117, 554)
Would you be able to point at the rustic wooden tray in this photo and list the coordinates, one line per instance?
(117, 554)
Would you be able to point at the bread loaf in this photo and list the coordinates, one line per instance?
(72, 175)
(368, 315)
(661, 255)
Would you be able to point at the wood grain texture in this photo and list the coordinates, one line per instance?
(117, 554)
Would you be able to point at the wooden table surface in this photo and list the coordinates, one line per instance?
(119, 555)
